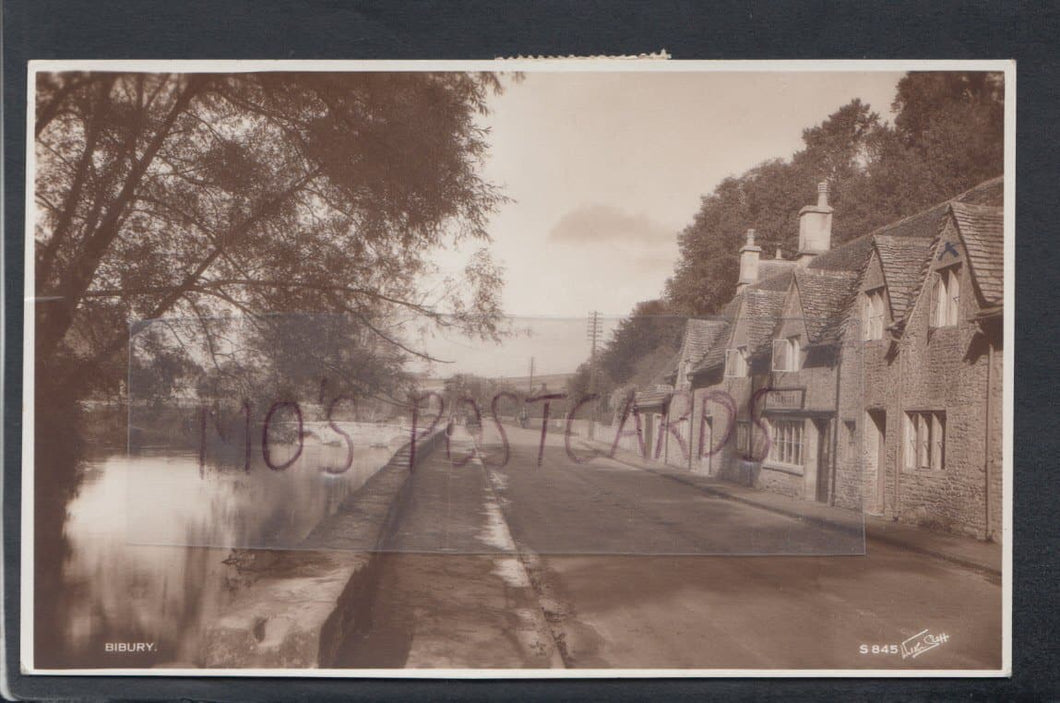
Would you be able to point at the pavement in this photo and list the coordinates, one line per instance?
(958, 549)
(452, 592)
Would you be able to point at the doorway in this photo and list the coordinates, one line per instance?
(875, 451)
(706, 443)
(823, 490)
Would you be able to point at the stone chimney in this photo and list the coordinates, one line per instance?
(815, 227)
(748, 262)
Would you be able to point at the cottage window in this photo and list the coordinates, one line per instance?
(873, 314)
(736, 362)
(786, 444)
(925, 440)
(786, 354)
(947, 298)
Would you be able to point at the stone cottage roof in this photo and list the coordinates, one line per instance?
(922, 226)
(763, 308)
(779, 281)
(699, 336)
(772, 268)
(982, 229)
(987, 236)
(901, 259)
(848, 257)
(650, 398)
(824, 295)
(715, 356)
(828, 283)
(768, 295)
(854, 255)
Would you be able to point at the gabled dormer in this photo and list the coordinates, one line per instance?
(946, 269)
(873, 303)
(738, 343)
(790, 336)
(967, 260)
(699, 337)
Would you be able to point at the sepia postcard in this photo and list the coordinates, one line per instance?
(518, 368)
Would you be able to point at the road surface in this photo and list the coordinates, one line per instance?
(602, 565)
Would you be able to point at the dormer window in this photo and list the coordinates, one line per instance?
(873, 314)
(946, 301)
(786, 354)
(736, 362)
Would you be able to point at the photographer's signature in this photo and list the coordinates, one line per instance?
(923, 641)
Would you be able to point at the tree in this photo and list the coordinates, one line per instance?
(947, 136)
(638, 352)
(952, 122)
(195, 196)
(184, 195)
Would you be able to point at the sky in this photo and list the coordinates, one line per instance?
(605, 169)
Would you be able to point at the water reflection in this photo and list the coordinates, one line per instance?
(150, 534)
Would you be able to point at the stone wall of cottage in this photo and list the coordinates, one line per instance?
(996, 428)
(946, 369)
(720, 455)
(869, 388)
(819, 384)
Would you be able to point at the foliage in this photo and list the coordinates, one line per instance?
(947, 136)
(638, 353)
(200, 194)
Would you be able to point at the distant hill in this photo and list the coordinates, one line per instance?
(553, 382)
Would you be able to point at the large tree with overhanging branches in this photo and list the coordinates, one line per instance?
(191, 194)
(196, 196)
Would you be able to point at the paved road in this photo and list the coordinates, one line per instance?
(633, 570)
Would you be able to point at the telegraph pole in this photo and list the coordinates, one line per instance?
(593, 333)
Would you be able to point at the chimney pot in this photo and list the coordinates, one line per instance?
(815, 227)
(748, 262)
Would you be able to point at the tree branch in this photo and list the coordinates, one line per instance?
(80, 276)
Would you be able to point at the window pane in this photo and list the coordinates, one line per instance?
(954, 291)
(921, 440)
(910, 441)
(938, 440)
(938, 313)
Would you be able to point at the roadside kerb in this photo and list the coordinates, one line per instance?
(298, 605)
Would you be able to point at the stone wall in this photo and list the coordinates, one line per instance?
(947, 369)
(303, 603)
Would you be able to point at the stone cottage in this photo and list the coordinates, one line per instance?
(865, 375)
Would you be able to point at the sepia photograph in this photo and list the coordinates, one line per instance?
(518, 368)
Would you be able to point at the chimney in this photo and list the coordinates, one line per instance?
(748, 262)
(815, 227)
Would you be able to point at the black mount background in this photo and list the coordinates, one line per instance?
(348, 29)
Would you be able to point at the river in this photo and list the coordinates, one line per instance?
(151, 537)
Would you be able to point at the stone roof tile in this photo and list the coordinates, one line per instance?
(982, 229)
(824, 295)
(699, 336)
(830, 298)
(901, 259)
(763, 308)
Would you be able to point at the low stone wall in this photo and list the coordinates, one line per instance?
(301, 604)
